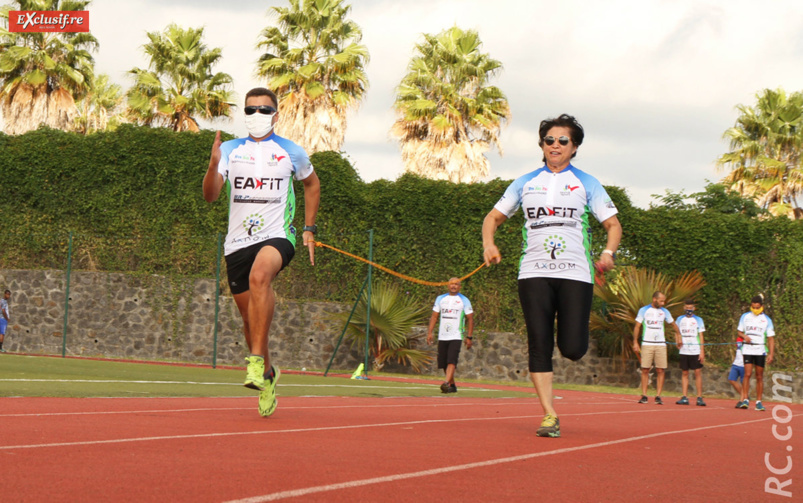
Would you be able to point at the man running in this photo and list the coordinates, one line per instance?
(454, 309)
(258, 172)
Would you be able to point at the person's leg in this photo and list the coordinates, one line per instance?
(645, 380)
(659, 381)
(698, 381)
(748, 371)
(573, 307)
(537, 299)
(241, 300)
(759, 383)
(262, 301)
(684, 380)
(450, 373)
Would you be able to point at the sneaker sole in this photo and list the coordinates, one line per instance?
(547, 434)
(254, 385)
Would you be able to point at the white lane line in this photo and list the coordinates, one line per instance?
(469, 466)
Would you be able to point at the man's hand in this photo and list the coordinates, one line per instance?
(636, 347)
(309, 242)
(605, 262)
(429, 339)
(702, 357)
(469, 343)
(214, 158)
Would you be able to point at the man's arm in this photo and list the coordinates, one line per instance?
(678, 339)
(771, 344)
(636, 331)
(312, 199)
(213, 181)
(702, 347)
(432, 321)
(469, 342)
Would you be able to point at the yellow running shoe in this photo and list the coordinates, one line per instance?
(254, 372)
(267, 397)
(550, 427)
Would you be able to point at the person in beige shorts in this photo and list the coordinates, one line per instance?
(652, 318)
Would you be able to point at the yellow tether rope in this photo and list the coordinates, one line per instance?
(394, 273)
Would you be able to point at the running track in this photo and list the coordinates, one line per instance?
(443, 448)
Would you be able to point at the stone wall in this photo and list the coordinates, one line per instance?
(151, 318)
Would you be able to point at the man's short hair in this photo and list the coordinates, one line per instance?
(657, 294)
(758, 299)
(688, 302)
(7, 291)
(262, 91)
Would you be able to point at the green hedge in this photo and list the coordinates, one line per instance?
(132, 199)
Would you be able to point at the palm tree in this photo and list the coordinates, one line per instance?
(765, 152)
(448, 114)
(42, 75)
(98, 110)
(179, 85)
(315, 64)
(392, 319)
(628, 291)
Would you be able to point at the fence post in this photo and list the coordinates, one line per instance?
(368, 297)
(217, 299)
(67, 298)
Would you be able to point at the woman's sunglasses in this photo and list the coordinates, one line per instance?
(263, 109)
(549, 140)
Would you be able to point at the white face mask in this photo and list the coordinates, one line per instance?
(259, 125)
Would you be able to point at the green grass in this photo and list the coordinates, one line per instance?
(39, 376)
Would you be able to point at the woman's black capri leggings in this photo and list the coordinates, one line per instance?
(541, 299)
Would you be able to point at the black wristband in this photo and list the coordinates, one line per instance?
(470, 338)
(311, 228)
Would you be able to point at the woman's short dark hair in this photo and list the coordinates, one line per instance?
(262, 91)
(564, 120)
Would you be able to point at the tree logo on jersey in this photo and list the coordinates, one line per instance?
(253, 223)
(554, 245)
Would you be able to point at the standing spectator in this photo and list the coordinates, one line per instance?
(692, 353)
(454, 309)
(758, 332)
(4, 318)
(653, 349)
(736, 374)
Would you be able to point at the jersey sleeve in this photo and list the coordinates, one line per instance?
(437, 306)
(511, 199)
(700, 324)
(640, 315)
(466, 305)
(740, 328)
(770, 328)
(225, 153)
(668, 315)
(598, 200)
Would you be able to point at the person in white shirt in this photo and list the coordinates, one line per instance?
(692, 353)
(258, 172)
(653, 348)
(457, 324)
(758, 332)
(736, 374)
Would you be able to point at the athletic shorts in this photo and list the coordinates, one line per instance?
(542, 299)
(736, 373)
(757, 360)
(690, 362)
(653, 354)
(448, 352)
(238, 264)
(3, 325)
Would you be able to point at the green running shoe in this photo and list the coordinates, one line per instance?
(267, 397)
(254, 371)
(550, 427)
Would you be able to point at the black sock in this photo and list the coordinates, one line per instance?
(269, 374)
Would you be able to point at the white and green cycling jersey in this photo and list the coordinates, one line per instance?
(453, 310)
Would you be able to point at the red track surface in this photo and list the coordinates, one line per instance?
(391, 449)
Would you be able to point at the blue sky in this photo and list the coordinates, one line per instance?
(654, 83)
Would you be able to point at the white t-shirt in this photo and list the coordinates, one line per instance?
(690, 329)
(453, 309)
(756, 330)
(738, 360)
(557, 237)
(259, 181)
(4, 307)
(652, 323)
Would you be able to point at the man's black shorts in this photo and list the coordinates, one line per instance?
(690, 362)
(448, 352)
(238, 264)
(757, 360)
